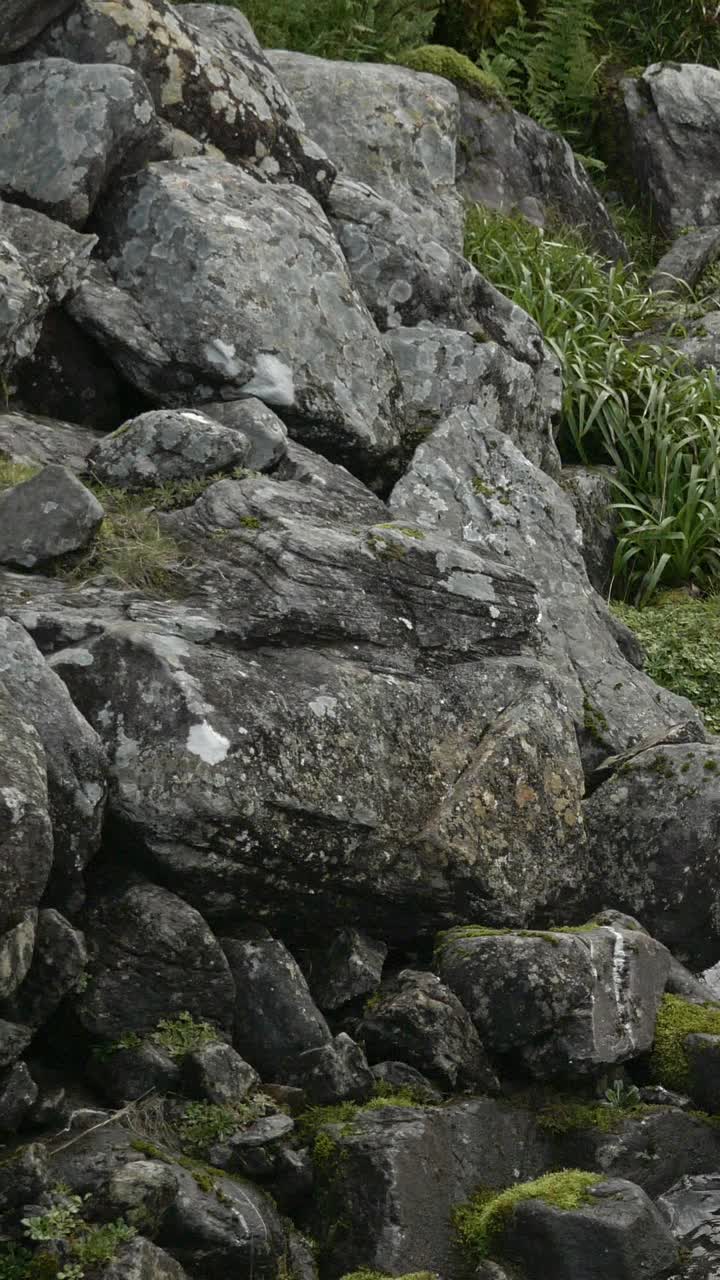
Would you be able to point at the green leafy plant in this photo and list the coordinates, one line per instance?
(622, 1096)
(681, 638)
(661, 30)
(183, 1035)
(202, 1124)
(84, 1245)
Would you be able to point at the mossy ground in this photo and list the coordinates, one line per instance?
(481, 1222)
(460, 932)
(681, 638)
(677, 1018)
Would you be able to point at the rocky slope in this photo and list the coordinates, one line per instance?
(325, 773)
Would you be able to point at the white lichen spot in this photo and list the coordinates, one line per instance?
(406, 623)
(272, 381)
(323, 706)
(223, 356)
(204, 741)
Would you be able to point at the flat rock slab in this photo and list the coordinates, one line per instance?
(685, 261)
(166, 445)
(66, 129)
(47, 516)
(28, 439)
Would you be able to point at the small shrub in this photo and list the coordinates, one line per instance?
(202, 1124)
(183, 1035)
(483, 1219)
(677, 1019)
(681, 639)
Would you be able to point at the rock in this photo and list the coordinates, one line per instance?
(28, 439)
(275, 1018)
(57, 256)
(333, 1072)
(443, 370)
(69, 128)
(391, 128)
(140, 1259)
(212, 83)
(47, 516)
(18, 1092)
(470, 481)
(349, 967)
(701, 347)
(309, 348)
(22, 307)
(691, 1208)
(639, 823)
(618, 1233)
(417, 1018)
(672, 113)
(141, 1192)
(22, 20)
(126, 1074)
(252, 1152)
(151, 956)
(679, 270)
(681, 982)
(58, 967)
(590, 489)
(26, 841)
(14, 1039)
(16, 953)
(166, 445)
(218, 1074)
(505, 160)
(75, 758)
(24, 1177)
(564, 1003)
(400, 1075)
(703, 1055)
(265, 432)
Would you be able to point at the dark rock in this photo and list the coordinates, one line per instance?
(26, 841)
(14, 1039)
(22, 20)
(213, 83)
(252, 1151)
(679, 270)
(692, 1210)
(265, 432)
(591, 492)
(140, 1192)
(672, 114)
(28, 439)
(22, 307)
(656, 1095)
(217, 1073)
(75, 758)
(140, 1259)
(400, 1075)
(57, 256)
(333, 1072)
(58, 968)
(389, 127)
(618, 1233)
(563, 1003)
(420, 1020)
(45, 517)
(126, 1074)
(166, 445)
(151, 956)
(301, 1258)
(18, 1092)
(24, 1177)
(16, 952)
(505, 159)
(350, 966)
(69, 129)
(703, 1055)
(681, 982)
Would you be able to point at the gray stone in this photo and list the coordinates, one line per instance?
(128, 1074)
(350, 966)
(681, 982)
(253, 1151)
(218, 1074)
(691, 1208)
(14, 1039)
(337, 1071)
(564, 1004)
(505, 160)
(418, 1019)
(140, 1259)
(16, 953)
(701, 348)
(26, 841)
(166, 445)
(472, 482)
(307, 345)
(24, 1177)
(212, 83)
(151, 957)
(22, 307)
(67, 129)
(58, 968)
(591, 492)
(703, 1056)
(264, 431)
(685, 261)
(672, 112)
(391, 128)
(18, 1092)
(141, 1191)
(75, 757)
(47, 516)
(22, 20)
(400, 1075)
(653, 828)
(57, 256)
(27, 439)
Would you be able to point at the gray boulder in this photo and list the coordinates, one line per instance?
(166, 445)
(391, 128)
(16, 953)
(510, 163)
(653, 830)
(59, 963)
(701, 347)
(47, 516)
(473, 483)
(564, 1003)
(692, 1210)
(278, 321)
(57, 256)
(265, 432)
(14, 1040)
(18, 1093)
(22, 20)
(27, 439)
(26, 841)
(672, 113)
(218, 1074)
(591, 492)
(349, 967)
(140, 1259)
(75, 758)
(22, 307)
(212, 83)
(70, 128)
(679, 270)
(334, 1072)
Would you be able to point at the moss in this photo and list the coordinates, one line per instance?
(448, 936)
(559, 1118)
(408, 530)
(386, 548)
(676, 1019)
(594, 720)
(483, 1219)
(681, 639)
(314, 1125)
(440, 60)
(662, 766)
(12, 473)
(710, 765)
(364, 1274)
(249, 522)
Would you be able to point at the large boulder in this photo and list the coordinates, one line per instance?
(68, 128)
(213, 83)
(58, 968)
(672, 111)
(391, 128)
(473, 483)
(23, 304)
(511, 163)
(22, 20)
(166, 445)
(278, 321)
(57, 256)
(590, 489)
(26, 841)
(28, 439)
(47, 516)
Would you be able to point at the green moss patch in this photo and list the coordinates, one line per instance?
(440, 60)
(681, 639)
(363, 1274)
(481, 1221)
(560, 1118)
(677, 1019)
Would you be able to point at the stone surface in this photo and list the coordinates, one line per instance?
(703, 1055)
(26, 841)
(166, 445)
(140, 1259)
(561, 1003)
(591, 492)
(137, 1071)
(349, 967)
(399, 1075)
(472, 482)
(212, 83)
(22, 20)
(419, 1020)
(16, 953)
(68, 129)
(47, 516)
(218, 1074)
(391, 128)
(685, 261)
(18, 1092)
(58, 968)
(14, 1040)
(701, 347)
(510, 163)
(22, 307)
(691, 1208)
(57, 256)
(672, 114)
(309, 348)
(265, 432)
(28, 439)
(337, 1071)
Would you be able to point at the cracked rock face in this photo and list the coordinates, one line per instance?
(166, 445)
(22, 20)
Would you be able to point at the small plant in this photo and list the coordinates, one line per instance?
(12, 473)
(59, 1222)
(183, 1035)
(85, 1245)
(622, 1096)
(483, 1219)
(202, 1124)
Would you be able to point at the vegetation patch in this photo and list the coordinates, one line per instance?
(12, 473)
(480, 1223)
(202, 1124)
(440, 60)
(83, 1245)
(681, 639)
(177, 1036)
(676, 1019)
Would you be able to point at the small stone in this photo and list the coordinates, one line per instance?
(265, 432)
(334, 1072)
(351, 966)
(218, 1074)
(166, 445)
(18, 1092)
(400, 1075)
(14, 1038)
(16, 952)
(45, 517)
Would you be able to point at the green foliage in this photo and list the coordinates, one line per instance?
(681, 639)
(483, 1219)
(563, 1117)
(202, 1124)
(439, 60)
(12, 473)
(86, 1246)
(470, 24)
(661, 30)
(61, 1221)
(183, 1034)
(676, 1019)
(15, 1262)
(364, 1274)
(622, 1096)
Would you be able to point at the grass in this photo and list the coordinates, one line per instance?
(481, 1222)
(677, 1018)
(681, 638)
